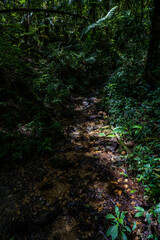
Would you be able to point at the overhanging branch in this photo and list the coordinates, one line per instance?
(43, 10)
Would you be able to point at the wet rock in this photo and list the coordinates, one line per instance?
(92, 117)
(75, 134)
(77, 148)
(85, 103)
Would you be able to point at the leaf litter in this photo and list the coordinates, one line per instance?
(68, 195)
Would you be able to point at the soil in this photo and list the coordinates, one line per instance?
(67, 196)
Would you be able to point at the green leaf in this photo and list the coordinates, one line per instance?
(157, 210)
(158, 218)
(117, 211)
(123, 215)
(134, 226)
(108, 16)
(136, 126)
(120, 220)
(113, 232)
(102, 135)
(133, 191)
(127, 228)
(99, 22)
(158, 205)
(140, 209)
(119, 130)
(148, 218)
(122, 173)
(150, 236)
(110, 216)
(124, 236)
(111, 135)
(139, 214)
(137, 158)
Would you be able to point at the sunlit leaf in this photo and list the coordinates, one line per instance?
(108, 16)
(120, 221)
(139, 214)
(102, 135)
(111, 135)
(136, 126)
(140, 209)
(119, 130)
(110, 216)
(99, 22)
(133, 191)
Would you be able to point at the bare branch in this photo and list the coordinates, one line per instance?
(43, 10)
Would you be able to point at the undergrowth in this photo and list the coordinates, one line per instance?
(136, 117)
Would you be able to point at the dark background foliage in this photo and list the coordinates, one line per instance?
(52, 49)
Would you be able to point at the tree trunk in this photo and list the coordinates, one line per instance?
(46, 28)
(27, 25)
(152, 70)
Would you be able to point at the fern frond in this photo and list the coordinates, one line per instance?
(99, 22)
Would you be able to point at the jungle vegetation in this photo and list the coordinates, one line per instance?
(51, 49)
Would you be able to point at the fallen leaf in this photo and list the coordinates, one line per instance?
(115, 182)
(118, 204)
(120, 192)
(120, 180)
(123, 153)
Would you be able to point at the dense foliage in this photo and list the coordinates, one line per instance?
(52, 49)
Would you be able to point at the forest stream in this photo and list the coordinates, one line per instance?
(68, 195)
